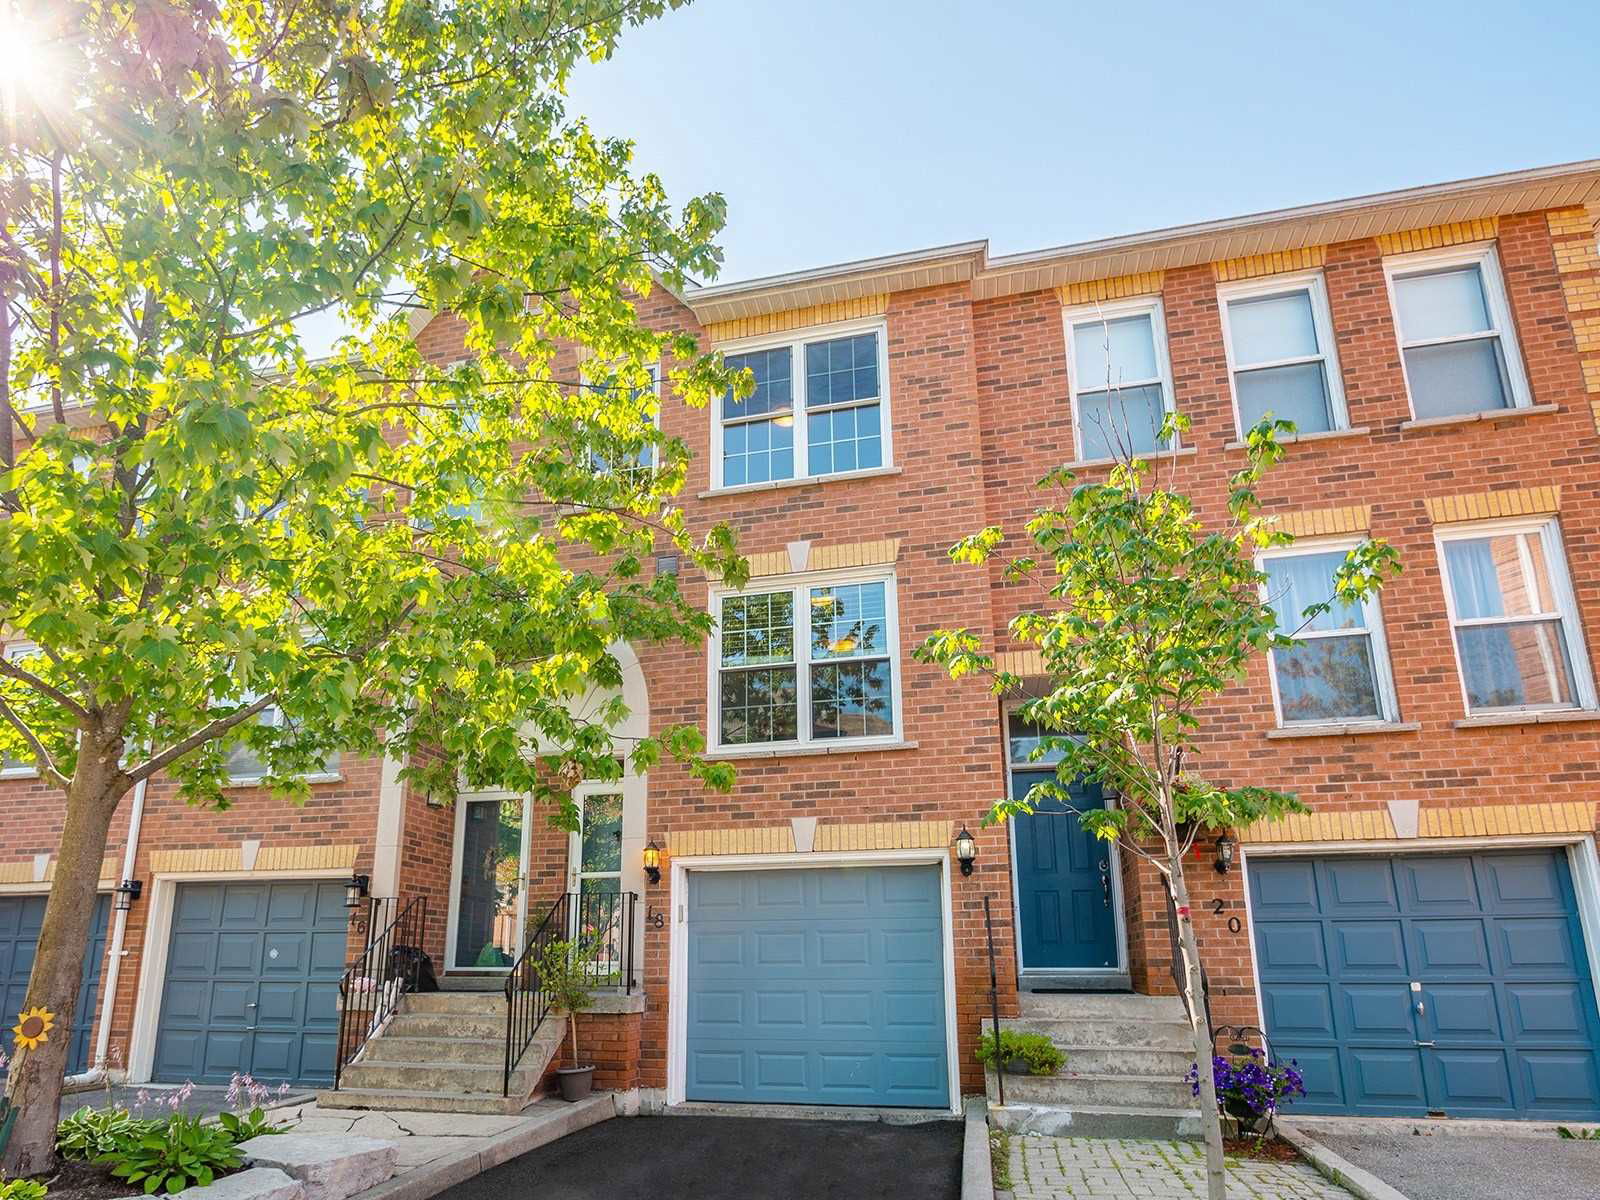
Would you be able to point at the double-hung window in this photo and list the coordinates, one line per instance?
(1514, 619)
(1281, 357)
(1119, 377)
(1338, 669)
(10, 767)
(833, 388)
(808, 663)
(1457, 342)
(642, 461)
(245, 766)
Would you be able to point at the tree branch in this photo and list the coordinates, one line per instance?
(47, 690)
(46, 764)
(200, 737)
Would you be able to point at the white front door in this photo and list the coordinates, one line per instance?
(488, 894)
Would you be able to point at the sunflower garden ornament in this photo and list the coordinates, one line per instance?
(33, 1026)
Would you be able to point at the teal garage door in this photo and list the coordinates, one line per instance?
(817, 987)
(21, 918)
(252, 974)
(1453, 983)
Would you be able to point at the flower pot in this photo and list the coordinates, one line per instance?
(1249, 1120)
(576, 1082)
(1016, 1065)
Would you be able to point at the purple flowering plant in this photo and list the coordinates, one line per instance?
(1251, 1083)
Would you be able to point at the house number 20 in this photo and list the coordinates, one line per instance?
(1234, 924)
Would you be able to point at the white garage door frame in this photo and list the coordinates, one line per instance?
(678, 964)
(158, 939)
(1581, 856)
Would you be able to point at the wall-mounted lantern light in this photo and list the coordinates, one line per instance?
(355, 889)
(652, 861)
(128, 891)
(966, 850)
(1225, 851)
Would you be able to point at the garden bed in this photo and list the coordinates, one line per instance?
(84, 1181)
(1266, 1149)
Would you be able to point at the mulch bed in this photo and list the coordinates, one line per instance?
(1269, 1149)
(85, 1181)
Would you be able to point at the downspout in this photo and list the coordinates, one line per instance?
(119, 928)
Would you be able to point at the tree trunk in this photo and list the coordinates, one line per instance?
(1200, 1022)
(34, 1083)
(572, 1030)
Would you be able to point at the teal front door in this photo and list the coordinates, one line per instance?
(1066, 898)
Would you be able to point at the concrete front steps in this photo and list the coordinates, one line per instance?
(1127, 1056)
(445, 1052)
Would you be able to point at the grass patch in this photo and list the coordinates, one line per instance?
(1000, 1159)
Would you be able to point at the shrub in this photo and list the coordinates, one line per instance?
(1039, 1052)
(1251, 1087)
(91, 1132)
(174, 1154)
(241, 1127)
(22, 1189)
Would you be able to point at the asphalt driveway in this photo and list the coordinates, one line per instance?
(1456, 1166)
(734, 1158)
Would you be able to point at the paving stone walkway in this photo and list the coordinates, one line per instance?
(1056, 1168)
(420, 1138)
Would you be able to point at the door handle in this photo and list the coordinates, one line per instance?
(1424, 1045)
(1105, 887)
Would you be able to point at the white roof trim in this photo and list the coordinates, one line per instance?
(1180, 246)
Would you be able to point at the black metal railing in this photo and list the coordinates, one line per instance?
(386, 969)
(600, 928)
(994, 1006)
(1179, 975)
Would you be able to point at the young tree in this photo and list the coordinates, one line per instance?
(200, 526)
(1147, 611)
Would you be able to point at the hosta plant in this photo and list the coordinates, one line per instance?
(90, 1132)
(178, 1153)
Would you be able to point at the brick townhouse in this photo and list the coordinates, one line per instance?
(1426, 940)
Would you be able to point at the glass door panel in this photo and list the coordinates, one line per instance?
(489, 895)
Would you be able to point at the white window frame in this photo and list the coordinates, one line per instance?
(1112, 310)
(799, 585)
(1486, 258)
(29, 770)
(796, 342)
(1555, 559)
(323, 776)
(1371, 614)
(604, 468)
(1313, 284)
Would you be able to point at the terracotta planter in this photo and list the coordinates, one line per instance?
(576, 1082)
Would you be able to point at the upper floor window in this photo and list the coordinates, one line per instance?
(1457, 342)
(1338, 669)
(1281, 357)
(18, 652)
(243, 765)
(643, 460)
(838, 384)
(806, 663)
(1515, 621)
(1120, 381)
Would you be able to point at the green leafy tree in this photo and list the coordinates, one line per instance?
(1144, 612)
(210, 540)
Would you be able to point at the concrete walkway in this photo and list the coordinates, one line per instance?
(1056, 1168)
(436, 1150)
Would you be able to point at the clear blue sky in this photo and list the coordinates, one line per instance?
(842, 129)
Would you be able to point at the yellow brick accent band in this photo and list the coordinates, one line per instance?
(746, 839)
(1587, 332)
(1483, 506)
(779, 839)
(1374, 825)
(16, 872)
(1315, 522)
(1256, 265)
(854, 554)
(1582, 292)
(268, 858)
(1569, 220)
(1020, 662)
(1145, 283)
(881, 552)
(1576, 255)
(798, 318)
(1484, 229)
(884, 835)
